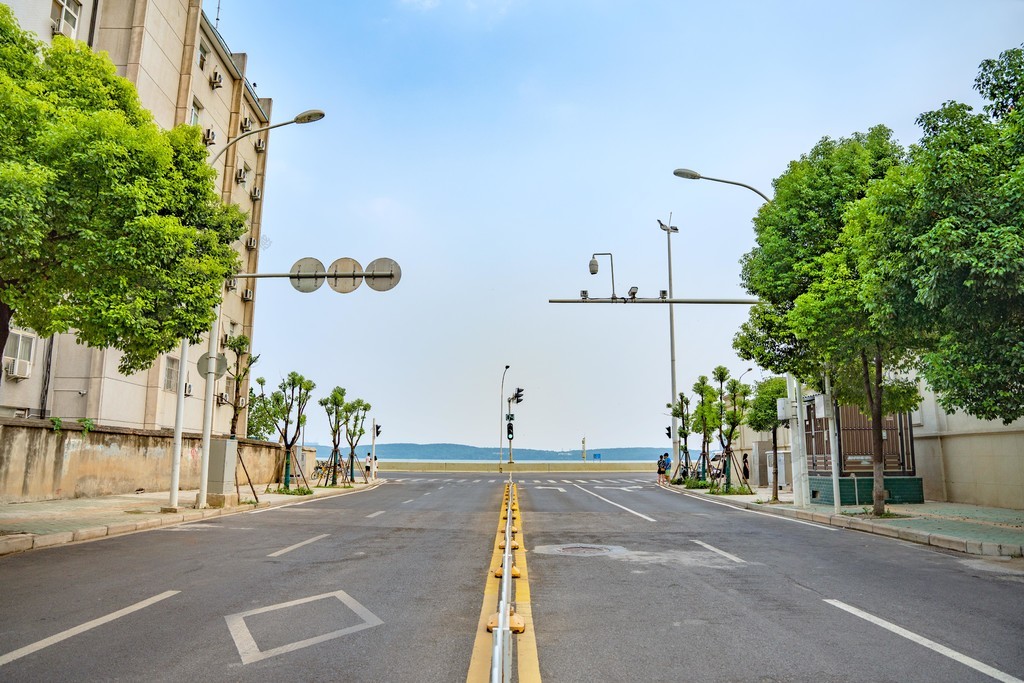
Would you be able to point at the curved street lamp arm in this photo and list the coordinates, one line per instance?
(733, 182)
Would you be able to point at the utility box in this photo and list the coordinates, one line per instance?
(220, 489)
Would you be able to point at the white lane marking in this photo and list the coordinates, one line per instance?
(552, 481)
(250, 652)
(374, 514)
(491, 481)
(407, 501)
(581, 481)
(720, 552)
(64, 635)
(476, 481)
(427, 493)
(632, 512)
(566, 481)
(555, 488)
(297, 545)
(753, 512)
(930, 644)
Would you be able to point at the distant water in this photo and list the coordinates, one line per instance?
(444, 452)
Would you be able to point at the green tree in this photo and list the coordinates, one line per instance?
(260, 419)
(681, 411)
(353, 415)
(705, 419)
(288, 406)
(942, 243)
(239, 372)
(334, 404)
(764, 417)
(111, 226)
(806, 270)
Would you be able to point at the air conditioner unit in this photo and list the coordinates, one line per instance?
(232, 284)
(60, 27)
(247, 295)
(18, 369)
(240, 175)
(252, 243)
(246, 124)
(222, 398)
(209, 137)
(257, 194)
(224, 338)
(188, 388)
(216, 79)
(260, 145)
(242, 402)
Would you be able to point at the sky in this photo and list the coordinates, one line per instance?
(490, 147)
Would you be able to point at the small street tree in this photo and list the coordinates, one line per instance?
(239, 372)
(334, 404)
(288, 406)
(681, 411)
(353, 415)
(260, 419)
(111, 227)
(764, 417)
(704, 420)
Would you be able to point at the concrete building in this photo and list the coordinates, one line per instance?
(184, 73)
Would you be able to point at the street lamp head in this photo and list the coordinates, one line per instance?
(593, 265)
(686, 173)
(667, 228)
(632, 292)
(309, 116)
(507, 367)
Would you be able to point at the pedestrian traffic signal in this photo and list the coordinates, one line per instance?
(377, 432)
(518, 396)
(668, 432)
(509, 431)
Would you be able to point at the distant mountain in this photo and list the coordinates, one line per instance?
(459, 452)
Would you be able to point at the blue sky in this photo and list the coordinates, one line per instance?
(491, 146)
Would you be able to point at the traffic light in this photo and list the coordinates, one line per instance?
(377, 433)
(668, 432)
(518, 397)
(509, 431)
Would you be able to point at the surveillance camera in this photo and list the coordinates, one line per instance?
(632, 292)
(593, 266)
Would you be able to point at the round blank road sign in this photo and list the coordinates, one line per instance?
(386, 266)
(307, 266)
(342, 277)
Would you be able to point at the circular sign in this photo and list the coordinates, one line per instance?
(384, 274)
(308, 267)
(220, 365)
(345, 275)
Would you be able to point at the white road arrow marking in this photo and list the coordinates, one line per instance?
(556, 488)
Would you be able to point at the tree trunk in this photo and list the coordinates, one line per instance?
(775, 464)
(874, 396)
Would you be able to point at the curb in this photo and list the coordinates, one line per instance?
(963, 545)
(16, 543)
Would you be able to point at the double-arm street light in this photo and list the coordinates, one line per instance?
(307, 116)
(669, 230)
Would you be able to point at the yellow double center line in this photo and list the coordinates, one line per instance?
(527, 664)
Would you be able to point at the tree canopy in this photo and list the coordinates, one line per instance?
(111, 226)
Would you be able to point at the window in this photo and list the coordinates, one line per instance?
(202, 56)
(171, 371)
(196, 115)
(64, 16)
(20, 345)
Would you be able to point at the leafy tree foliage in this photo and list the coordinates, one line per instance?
(705, 418)
(261, 421)
(353, 415)
(239, 372)
(110, 225)
(334, 404)
(764, 417)
(681, 411)
(287, 405)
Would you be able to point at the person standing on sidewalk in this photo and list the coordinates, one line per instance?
(662, 466)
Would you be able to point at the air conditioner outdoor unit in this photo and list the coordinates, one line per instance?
(247, 295)
(188, 388)
(224, 338)
(257, 194)
(209, 137)
(222, 398)
(232, 284)
(60, 27)
(18, 369)
(246, 124)
(216, 79)
(252, 243)
(240, 175)
(242, 402)
(260, 145)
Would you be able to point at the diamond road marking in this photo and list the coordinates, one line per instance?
(250, 652)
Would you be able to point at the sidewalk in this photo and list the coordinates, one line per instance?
(970, 529)
(26, 526)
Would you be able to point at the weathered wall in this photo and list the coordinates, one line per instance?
(38, 463)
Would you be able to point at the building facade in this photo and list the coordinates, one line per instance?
(184, 73)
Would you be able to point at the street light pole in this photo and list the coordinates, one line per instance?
(669, 229)
(307, 116)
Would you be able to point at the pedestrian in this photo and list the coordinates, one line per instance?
(366, 471)
(662, 466)
(746, 468)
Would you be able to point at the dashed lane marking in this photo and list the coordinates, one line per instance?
(720, 552)
(297, 545)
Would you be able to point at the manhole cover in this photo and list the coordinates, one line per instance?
(579, 549)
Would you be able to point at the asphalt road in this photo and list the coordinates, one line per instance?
(629, 582)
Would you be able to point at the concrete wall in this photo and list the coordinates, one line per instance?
(38, 463)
